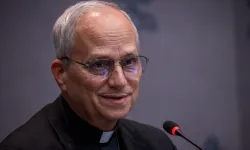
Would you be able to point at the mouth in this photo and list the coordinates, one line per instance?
(115, 98)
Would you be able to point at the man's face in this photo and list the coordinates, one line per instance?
(109, 36)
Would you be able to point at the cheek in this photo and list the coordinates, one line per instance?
(81, 84)
(134, 84)
(91, 84)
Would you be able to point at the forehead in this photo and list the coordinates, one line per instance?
(112, 53)
(105, 32)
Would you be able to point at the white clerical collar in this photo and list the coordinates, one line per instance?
(106, 136)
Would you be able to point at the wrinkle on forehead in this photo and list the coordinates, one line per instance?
(118, 53)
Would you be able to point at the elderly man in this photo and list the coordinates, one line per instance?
(98, 70)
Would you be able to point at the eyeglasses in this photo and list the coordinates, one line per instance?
(132, 66)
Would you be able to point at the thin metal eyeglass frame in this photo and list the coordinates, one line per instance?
(86, 65)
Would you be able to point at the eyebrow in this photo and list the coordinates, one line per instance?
(104, 56)
(130, 54)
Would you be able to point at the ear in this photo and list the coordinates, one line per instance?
(59, 73)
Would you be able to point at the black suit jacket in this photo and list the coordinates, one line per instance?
(50, 129)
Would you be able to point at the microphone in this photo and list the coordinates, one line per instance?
(173, 129)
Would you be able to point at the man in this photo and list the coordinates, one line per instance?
(98, 70)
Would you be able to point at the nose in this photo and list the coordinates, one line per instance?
(117, 78)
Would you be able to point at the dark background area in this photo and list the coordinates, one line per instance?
(198, 73)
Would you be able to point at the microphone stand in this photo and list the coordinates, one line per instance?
(178, 132)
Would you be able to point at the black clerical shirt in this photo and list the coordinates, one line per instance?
(57, 127)
(82, 132)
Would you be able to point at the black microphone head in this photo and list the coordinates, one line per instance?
(171, 127)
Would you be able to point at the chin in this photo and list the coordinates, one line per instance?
(116, 114)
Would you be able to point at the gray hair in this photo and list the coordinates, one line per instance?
(64, 28)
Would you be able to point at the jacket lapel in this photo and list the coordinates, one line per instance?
(55, 114)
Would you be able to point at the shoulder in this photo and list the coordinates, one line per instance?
(146, 133)
(32, 134)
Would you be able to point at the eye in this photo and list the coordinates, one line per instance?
(100, 67)
(131, 61)
(99, 64)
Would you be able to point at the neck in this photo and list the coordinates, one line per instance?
(104, 125)
(94, 120)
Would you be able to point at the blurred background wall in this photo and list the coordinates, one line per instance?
(198, 73)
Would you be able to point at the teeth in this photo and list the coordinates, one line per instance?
(116, 97)
(113, 97)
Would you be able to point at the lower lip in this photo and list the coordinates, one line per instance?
(116, 101)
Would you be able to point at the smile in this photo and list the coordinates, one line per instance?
(115, 99)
